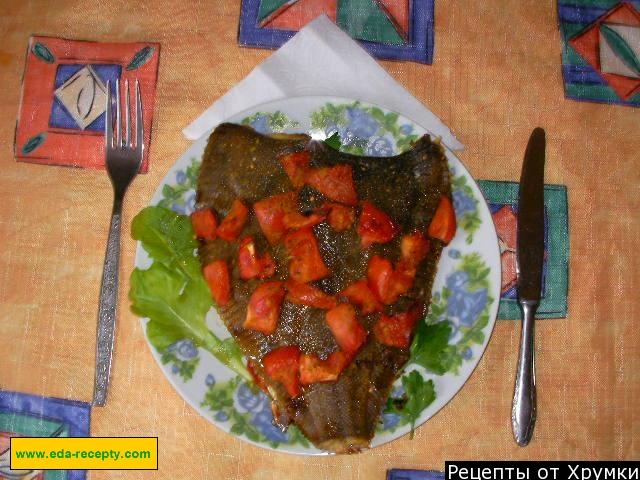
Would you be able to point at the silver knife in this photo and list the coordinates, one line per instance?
(530, 256)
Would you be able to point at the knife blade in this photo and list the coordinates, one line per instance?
(529, 264)
(530, 243)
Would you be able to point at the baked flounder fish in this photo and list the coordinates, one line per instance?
(320, 264)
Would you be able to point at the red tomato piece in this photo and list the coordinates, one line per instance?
(339, 360)
(340, 217)
(253, 265)
(386, 283)
(306, 262)
(396, 330)
(360, 295)
(305, 294)
(259, 381)
(217, 276)
(204, 224)
(295, 220)
(233, 223)
(263, 311)
(283, 365)
(402, 280)
(380, 276)
(349, 333)
(296, 165)
(313, 369)
(270, 213)
(414, 248)
(443, 223)
(375, 226)
(335, 183)
(279, 214)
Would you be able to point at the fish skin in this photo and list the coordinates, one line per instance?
(238, 162)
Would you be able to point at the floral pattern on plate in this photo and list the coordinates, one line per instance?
(464, 293)
(364, 129)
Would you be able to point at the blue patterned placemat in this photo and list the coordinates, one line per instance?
(400, 474)
(36, 416)
(418, 47)
(502, 198)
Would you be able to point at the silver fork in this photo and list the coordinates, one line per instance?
(123, 161)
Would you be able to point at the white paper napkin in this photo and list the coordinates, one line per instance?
(320, 60)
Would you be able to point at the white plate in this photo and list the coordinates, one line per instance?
(465, 292)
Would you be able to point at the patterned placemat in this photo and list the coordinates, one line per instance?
(400, 474)
(601, 50)
(22, 414)
(62, 111)
(502, 198)
(391, 29)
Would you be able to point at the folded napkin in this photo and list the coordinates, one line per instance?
(320, 60)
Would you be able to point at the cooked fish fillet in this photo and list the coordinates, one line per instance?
(341, 415)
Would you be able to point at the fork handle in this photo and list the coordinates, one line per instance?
(107, 308)
(523, 415)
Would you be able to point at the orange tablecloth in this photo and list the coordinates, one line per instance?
(495, 76)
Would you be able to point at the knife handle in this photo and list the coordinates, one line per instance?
(523, 414)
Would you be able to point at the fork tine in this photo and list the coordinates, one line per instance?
(118, 119)
(127, 119)
(108, 124)
(139, 121)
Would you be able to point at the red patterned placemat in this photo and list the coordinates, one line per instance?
(62, 111)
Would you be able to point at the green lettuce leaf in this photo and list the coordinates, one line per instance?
(334, 141)
(172, 293)
(168, 238)
(431, 350)
(418, 396)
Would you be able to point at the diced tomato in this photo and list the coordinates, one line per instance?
(217, 276)
(313, 369)
(253, 265)
(295, 220)
(396, 330)
(296, 165)
(256, 378)
(279, 214)
(270, 213)
(306, 262)
(339, 360)
(443, 223)
(375, 226)
(386, 283)
(414, 248)
(233, 223)
(402, 279)
(380, 275)
(335, 183)
(360, 295)
(263, 311)
(305, 294)
(204, 224)
(340, 217)
(349, 333)
(406, 271)
(268, 265)
(283, 365)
